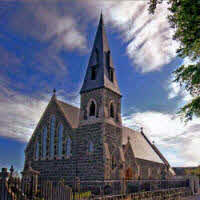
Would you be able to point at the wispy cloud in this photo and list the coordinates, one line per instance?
(149, 38)
(170, 133)
(48, 22)
(19, 114)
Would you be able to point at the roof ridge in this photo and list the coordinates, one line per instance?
(59, 101)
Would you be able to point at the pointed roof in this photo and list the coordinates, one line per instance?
(101, 60)
(141, 146)
(71, 113)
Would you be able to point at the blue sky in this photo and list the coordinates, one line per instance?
(46, 45)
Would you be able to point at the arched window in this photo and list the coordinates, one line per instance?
(113, 162)
(91, 147)
(37, 150)
(60, 134)
(92, 108)
(44, 142)
(52, 134)
(68, 147)
(111, 110)
(93, 73)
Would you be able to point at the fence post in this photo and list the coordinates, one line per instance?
(4, 176)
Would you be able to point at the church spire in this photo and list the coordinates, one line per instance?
(100, 71)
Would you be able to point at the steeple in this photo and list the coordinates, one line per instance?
(100, 71)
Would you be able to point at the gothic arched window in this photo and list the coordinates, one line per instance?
(113, 162)
(92, 108)
(91, 147)
(111, 110)
(111, 74)
(52, 134)
(60, 134)
(44, 142)
(68, 147)
(93, 73)
(37, 150)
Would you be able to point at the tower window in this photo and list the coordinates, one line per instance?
(93, 73)
(92, 108)
(111, 74)
(108, 58)
(111, 110)
(97, 55)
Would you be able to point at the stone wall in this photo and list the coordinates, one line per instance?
(149, 169)
(56, 167)
(169, 194)
(90, 165)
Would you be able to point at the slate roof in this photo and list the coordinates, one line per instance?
(141, 146)
(71, 113)
(98, 60)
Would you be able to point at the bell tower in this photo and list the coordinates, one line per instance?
(100, 94)
(100, 126)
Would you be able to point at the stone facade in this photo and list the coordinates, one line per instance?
(90, 142)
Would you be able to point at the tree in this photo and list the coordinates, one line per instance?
(184, 17)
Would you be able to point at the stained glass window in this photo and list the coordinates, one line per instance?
(44, 142)
(60, 134)
(68, 147)
(37, 151)
(52, 134)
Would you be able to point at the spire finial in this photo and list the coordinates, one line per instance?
(141, 129)
(129, 138)
(101, 18)
(54, 91)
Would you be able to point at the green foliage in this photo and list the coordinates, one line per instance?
(82, 195)
(184, 17)
(191, 109)
(189, 77)
(195, 171)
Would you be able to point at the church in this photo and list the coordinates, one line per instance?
(91, 142)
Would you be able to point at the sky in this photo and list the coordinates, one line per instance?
(46, 45)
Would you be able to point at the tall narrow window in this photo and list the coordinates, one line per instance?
(52, 135)
(111, 110)
(91, 147)
(44, 142)
(60, 134)
(111, 74)
(113, 163)
(68, 147)
(92, 108)
(93, 73)
(97, 54)
(37, 150)
(108, 58)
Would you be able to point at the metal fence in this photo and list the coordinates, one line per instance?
(87, 188)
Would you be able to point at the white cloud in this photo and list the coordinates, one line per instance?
(52, 23)
(175, 90)
(180, 141)
(19, 114)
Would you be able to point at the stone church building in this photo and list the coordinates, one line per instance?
(90, 142)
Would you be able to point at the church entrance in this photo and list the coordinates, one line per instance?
(129, 173)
